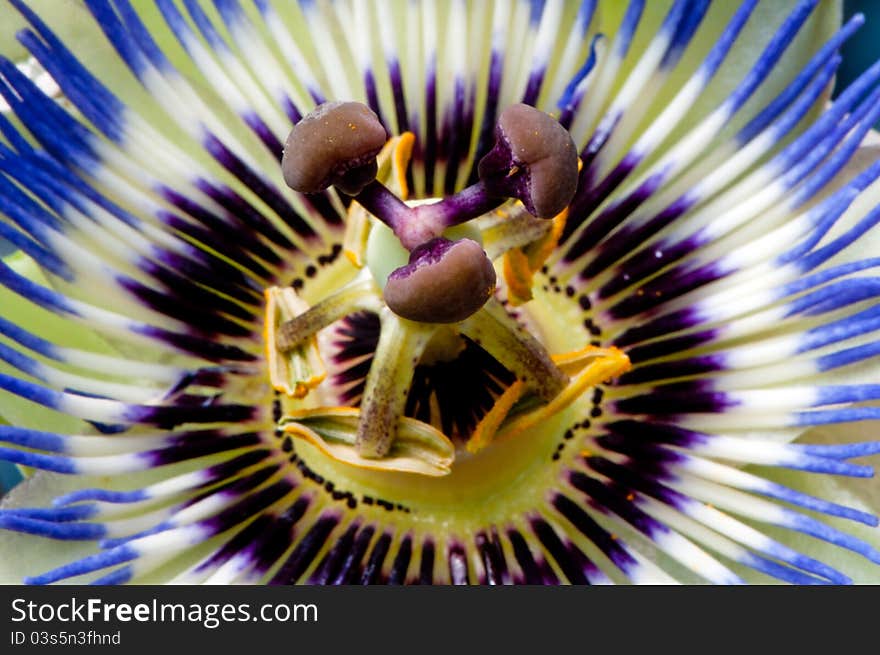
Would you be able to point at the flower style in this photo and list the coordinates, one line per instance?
(535, 292)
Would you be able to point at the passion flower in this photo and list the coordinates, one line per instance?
(571, 300)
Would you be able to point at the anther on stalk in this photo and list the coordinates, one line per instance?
(444, 282)
(534, 160)
(334, 145)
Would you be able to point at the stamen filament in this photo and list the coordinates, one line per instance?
(606, 363)
(418, 447)
(519, 276)
(610, 364)
(489, 425)
(573, 362)
(401, 344)
(301, 368)
(522, 262)
(493, 329)
(357, 296)
(357, 234)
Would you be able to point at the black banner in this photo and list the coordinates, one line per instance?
(542, 620)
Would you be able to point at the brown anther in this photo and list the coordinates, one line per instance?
(444, 282)
(534, 160)
(336, 144)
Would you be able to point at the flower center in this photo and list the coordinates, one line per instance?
(424, 311)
